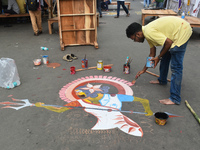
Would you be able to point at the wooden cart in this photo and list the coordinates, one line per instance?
(77, 22)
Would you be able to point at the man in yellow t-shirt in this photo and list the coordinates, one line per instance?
(173, 34)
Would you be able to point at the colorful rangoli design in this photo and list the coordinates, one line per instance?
(101, 96)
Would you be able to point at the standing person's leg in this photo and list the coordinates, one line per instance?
(148, 3)
(106, 5)
(125, 9)
(39, 20)
(144, 3)
(177, 56)
(99, 7)
(33, 22)
(164, 68)
(103, 5)
(159, 4)
(118, 9)
(0, 7)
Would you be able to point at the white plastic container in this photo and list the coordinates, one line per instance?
(183, 15)
(44, 48)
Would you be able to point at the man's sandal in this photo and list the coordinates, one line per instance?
(73, 56)
(68, 58)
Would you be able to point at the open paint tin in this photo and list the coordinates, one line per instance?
(37, 62)
(107, 68)
(161, 118)
(149, 63)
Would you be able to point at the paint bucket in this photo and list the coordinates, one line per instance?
(99, 65)
(161, 118)
(107, 68)
(149, 64)
(72, 70)
(84, 63)
(126, 69)
(45, 59)
(37, 62)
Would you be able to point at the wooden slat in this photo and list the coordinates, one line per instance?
(14, 15)
(79, 22)
(89, 29)
(88, 14)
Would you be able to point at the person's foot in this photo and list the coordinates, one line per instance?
(100, 16)
(166, 102)
(36, 34)
(116, 17)
(128, 15)
(154, 82)
(40, 32)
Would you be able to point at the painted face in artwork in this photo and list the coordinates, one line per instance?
(111, 101)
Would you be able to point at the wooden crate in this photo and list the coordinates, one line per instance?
(77, 22)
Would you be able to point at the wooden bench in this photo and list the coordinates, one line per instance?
(166, 12)
(125, 3)
(194, 21)
(50, 23)
(14, 15)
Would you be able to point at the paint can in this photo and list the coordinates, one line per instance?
(99, 64)
(72, 70)
(126, 69)
(45, 59)
(84, 63)
(107, 68)
(149, 64)
(37, 62)
(161, 118)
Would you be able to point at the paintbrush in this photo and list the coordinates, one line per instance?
(128, 62)
(136, 77)
(85, 61)
(92, 67)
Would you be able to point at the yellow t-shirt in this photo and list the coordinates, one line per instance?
(176, 29)
(21, 6)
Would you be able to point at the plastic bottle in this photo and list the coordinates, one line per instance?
(2, 11)
(127, 59)
(183, 15)
(154, 5)
(44, 48)
(14, 84)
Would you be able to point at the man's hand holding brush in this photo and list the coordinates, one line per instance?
(137, 75)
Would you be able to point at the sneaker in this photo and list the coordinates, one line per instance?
(116, 17)
(128, 15)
